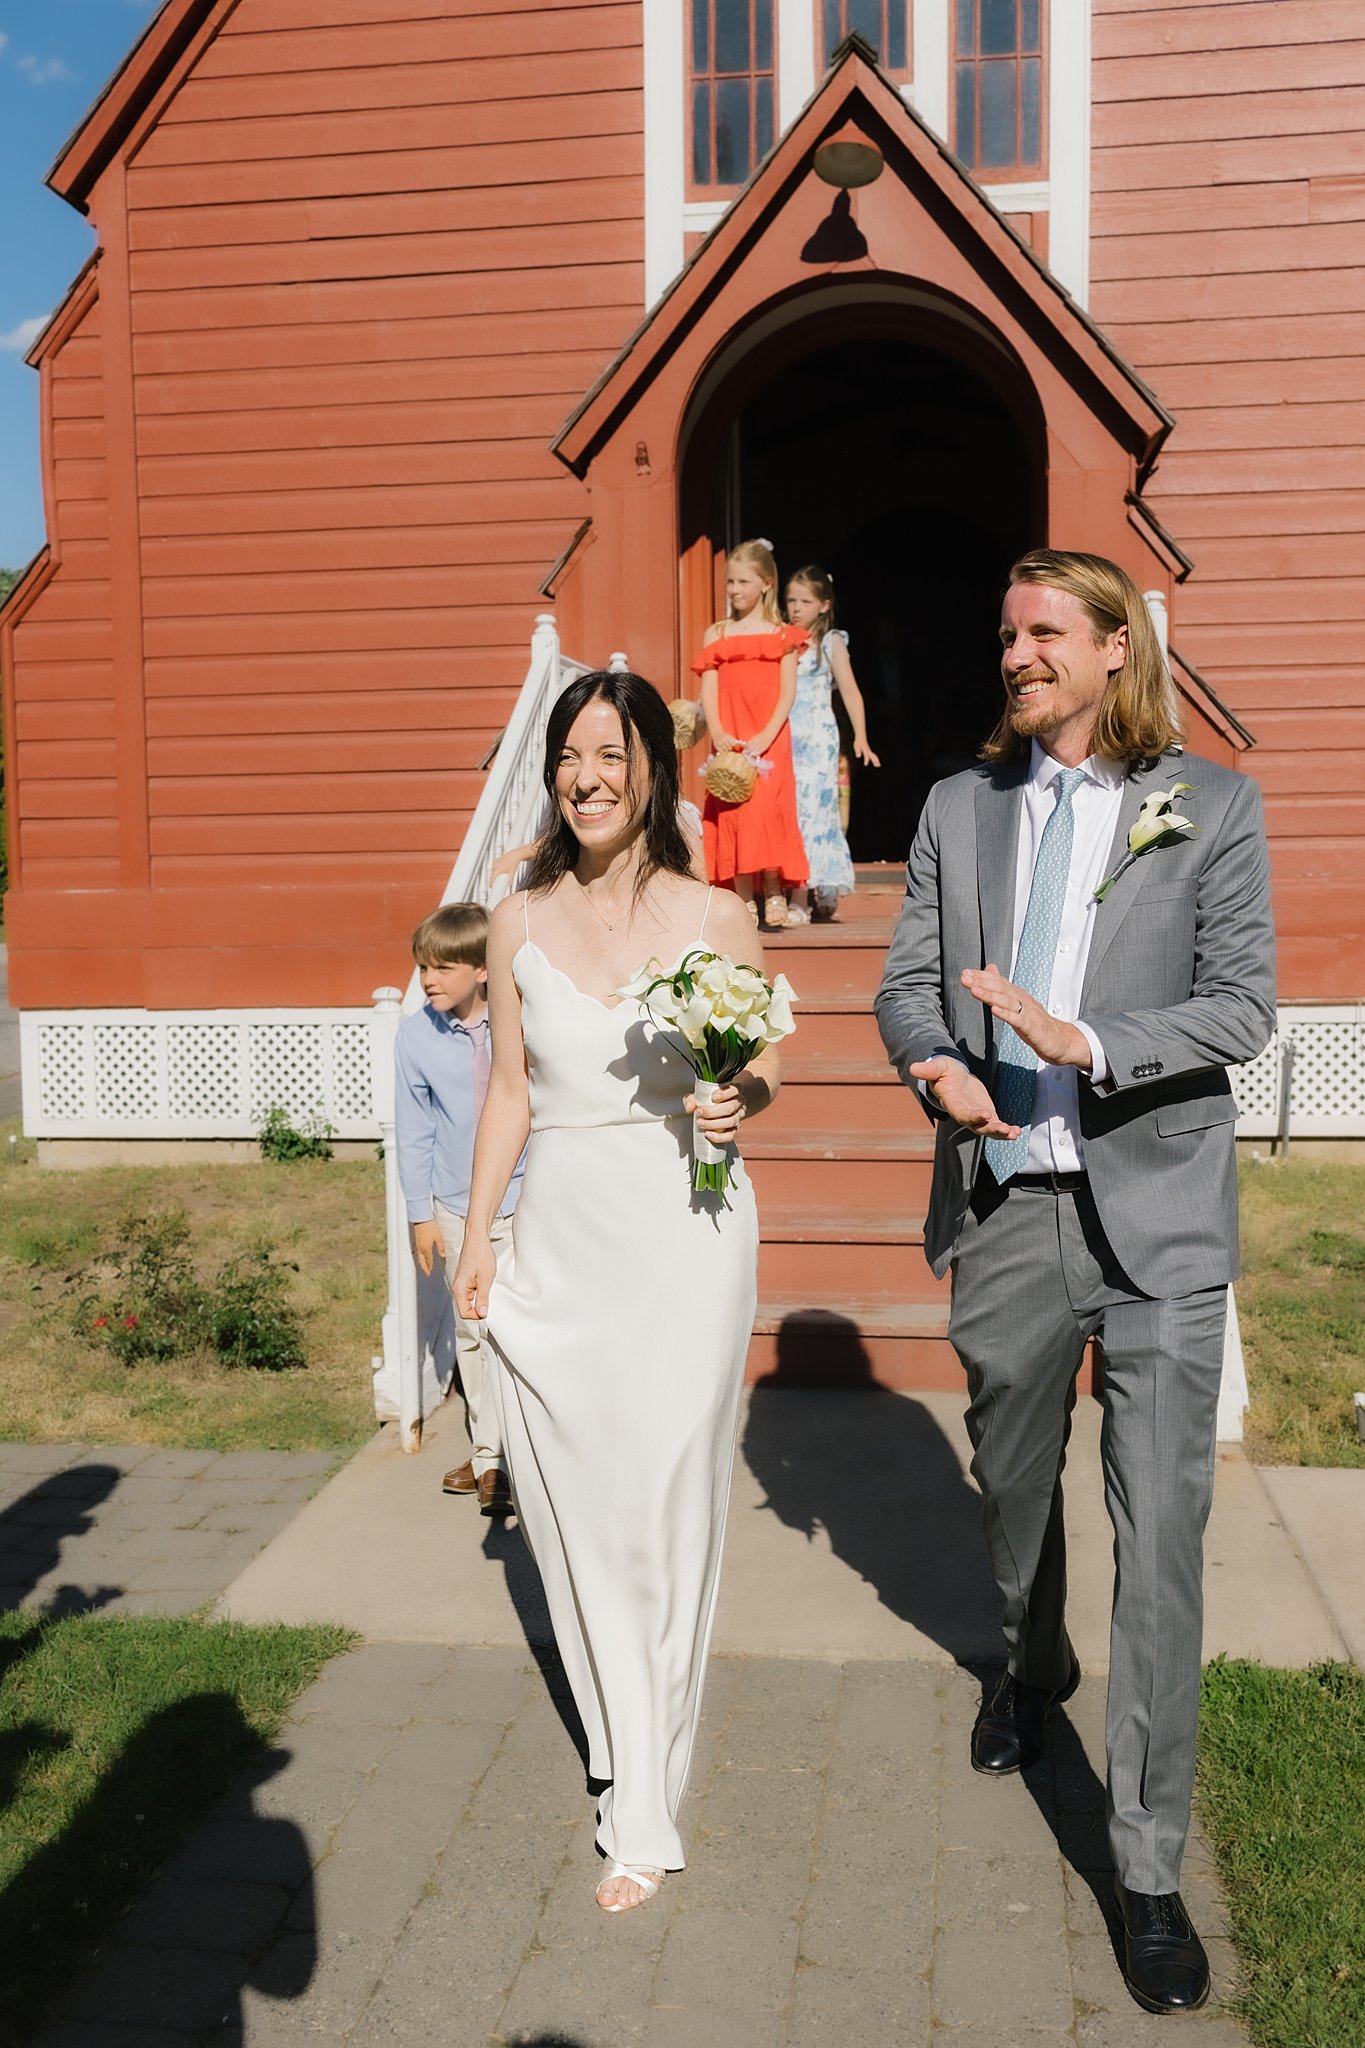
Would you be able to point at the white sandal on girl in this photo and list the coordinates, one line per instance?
(797, 913)
(648, 1881)
(775, 910)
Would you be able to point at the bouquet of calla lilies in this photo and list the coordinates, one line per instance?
(1157, 824)
(725, 1013)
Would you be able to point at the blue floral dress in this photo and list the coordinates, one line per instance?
(815, 760)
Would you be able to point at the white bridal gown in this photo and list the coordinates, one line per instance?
(619, 1341)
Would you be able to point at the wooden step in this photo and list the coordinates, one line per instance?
(829, 1271)
(837, 1169)
(884, 1342)
(835, 1032)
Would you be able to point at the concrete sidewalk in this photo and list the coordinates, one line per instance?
(416, 1863)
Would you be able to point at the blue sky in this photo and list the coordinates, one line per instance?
(54, 57)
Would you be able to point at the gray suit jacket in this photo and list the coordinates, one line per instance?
(1180, 984)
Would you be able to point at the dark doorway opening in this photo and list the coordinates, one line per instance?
(906, 472)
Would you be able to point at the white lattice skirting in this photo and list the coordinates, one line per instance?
(216, 1073)
(194, 1074)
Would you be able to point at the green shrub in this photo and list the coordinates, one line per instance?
(281, 1139)
(250, 1320)
(154, 1306)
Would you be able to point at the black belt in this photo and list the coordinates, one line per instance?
(1055, 1183)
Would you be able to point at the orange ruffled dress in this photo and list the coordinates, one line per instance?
(744, 839)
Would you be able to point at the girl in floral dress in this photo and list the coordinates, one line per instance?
(748, 682)
(823, 668)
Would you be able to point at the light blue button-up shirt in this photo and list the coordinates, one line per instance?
(434, 1116)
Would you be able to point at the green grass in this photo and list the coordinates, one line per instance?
(1301, 1302)
(1282, 1794)
(116, 1736)
(57, 1230)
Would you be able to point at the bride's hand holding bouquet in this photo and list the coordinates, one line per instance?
(725, 1012)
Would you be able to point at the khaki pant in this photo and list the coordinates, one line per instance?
(471, 1350)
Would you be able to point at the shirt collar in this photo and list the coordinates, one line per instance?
(446, 1020)
(1043, 770)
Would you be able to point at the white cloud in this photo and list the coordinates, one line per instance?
(45, 70)
(3, 39)
(20, 339)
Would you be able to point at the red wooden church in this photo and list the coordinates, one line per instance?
(412, 319)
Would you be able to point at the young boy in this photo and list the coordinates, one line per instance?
(442, 1055)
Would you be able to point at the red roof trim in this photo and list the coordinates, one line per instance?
(126, 97)
(855, 78)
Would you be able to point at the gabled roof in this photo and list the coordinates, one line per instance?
(148, 66)
(856, 92)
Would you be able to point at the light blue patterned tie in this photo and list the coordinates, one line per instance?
(1016, 1068)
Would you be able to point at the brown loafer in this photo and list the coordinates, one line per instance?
(495, 1492)
(461, 1479)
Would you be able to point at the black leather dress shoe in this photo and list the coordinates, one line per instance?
(1164, 1964)
(1009, 1732)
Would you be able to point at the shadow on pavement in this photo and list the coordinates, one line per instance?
(879, 1476)
(200, 1936)
(504, 1543)
(34, 1529)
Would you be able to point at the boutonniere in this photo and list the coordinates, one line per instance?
(1157, 824)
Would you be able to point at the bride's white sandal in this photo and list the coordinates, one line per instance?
(648, 1881)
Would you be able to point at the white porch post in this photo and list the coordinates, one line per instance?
(400, 1364)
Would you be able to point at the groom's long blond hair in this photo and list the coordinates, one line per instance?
(1136, 719)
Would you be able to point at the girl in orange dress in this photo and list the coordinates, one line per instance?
(748, 685)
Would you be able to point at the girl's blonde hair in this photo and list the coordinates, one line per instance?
(757, 554)
(1136, 720)
(820, 584)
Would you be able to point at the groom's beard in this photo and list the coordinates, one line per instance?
(1035, 717)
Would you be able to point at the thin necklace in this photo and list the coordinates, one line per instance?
(610, 922)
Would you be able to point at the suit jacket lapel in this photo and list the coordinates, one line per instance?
(999, 807)
(1110, 914)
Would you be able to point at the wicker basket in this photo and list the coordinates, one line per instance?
(689, 722)
(731, 778)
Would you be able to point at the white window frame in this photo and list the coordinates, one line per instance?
(1064, 195)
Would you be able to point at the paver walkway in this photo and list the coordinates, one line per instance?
(419, 1869)
(414, 1863)
(130, 1530)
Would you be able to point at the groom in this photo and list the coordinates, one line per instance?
(1073, 1051)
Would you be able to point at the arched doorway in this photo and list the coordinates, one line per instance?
(901, 451)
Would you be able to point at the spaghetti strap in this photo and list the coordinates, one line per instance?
(526, 913)
(706, 912)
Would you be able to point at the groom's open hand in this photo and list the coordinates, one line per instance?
(966, 1100)
(1059, 1043)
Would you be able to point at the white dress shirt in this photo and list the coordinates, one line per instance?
(1055, 1140)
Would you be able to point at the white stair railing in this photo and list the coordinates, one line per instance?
(413, 1370)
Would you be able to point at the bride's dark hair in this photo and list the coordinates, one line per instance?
(644, 717)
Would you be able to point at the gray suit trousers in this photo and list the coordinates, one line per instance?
(1033, 1278)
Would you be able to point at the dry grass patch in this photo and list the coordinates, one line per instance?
(1301, 1302)
(56, 1234)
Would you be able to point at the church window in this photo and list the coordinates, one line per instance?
(885, 24)
(998, 87)
(733, 90)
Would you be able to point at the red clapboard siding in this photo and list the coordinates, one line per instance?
(534, 167)
(388, 548)
(362, 133)
(558, 204)
(1243, 24)
(1218, 70)
(365, 384)
(362, 710)
(273, 47)
(1228, 260)
(466, 666)
(414, 508)
(355, 427)
(479, 341)
(54, 718)
(395, 87)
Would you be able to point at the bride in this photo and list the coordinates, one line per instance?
(619, 1334)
